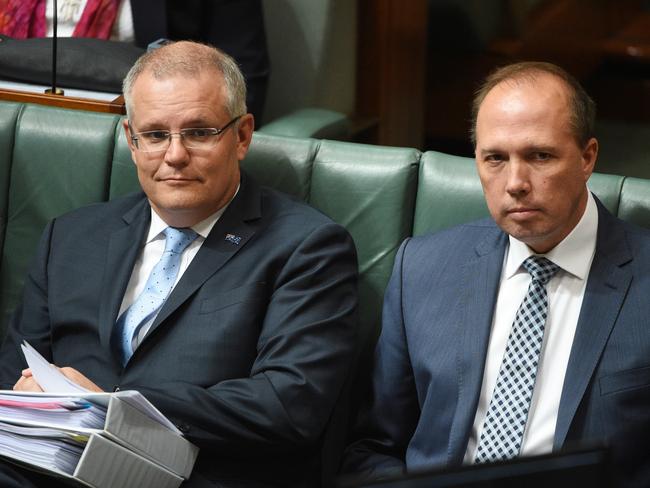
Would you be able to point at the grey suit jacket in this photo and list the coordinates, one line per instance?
(431, 354)
(247, 355)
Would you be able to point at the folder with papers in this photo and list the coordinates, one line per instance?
(91, 437)
(115, 419)
(95, 461)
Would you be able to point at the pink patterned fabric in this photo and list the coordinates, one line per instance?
(97, 19)
(21, 19)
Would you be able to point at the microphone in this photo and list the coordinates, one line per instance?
(54, 90)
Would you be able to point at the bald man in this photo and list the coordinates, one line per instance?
(525, 333)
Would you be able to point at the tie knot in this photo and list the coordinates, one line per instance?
(540, 268)
(178, 239)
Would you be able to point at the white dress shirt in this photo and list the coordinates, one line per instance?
(565, 293)
(152, 252)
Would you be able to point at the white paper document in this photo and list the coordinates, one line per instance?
(47, 375)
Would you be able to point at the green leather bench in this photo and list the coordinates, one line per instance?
(53, 160)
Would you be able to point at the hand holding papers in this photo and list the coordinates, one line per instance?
(99, 439)
(47, 375)
(51, 379)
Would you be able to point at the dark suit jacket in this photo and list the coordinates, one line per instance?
(235, 26)
(437, 319)
(247, 355)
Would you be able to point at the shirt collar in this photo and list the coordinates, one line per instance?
(202, 228)
(574, 254)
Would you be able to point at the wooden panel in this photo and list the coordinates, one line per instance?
(391, 69)
(114, 106)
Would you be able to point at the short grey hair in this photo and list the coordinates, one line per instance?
(189, 59)
(583, 108)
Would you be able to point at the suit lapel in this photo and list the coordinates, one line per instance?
(607, 287)
(478, 286)
(230, 234)
(120, 258)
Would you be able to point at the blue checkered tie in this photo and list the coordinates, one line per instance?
(506, 416)
(158, 286)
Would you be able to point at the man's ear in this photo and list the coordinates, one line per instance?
(589, 156)
(245, 127)
(127, 132)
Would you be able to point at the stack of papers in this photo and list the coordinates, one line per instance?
(49, 449)
(101, 440)
(70, 412)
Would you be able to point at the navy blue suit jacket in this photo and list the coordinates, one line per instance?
(247, 355)
(437, 317)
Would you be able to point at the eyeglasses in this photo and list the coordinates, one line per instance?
(192, 138)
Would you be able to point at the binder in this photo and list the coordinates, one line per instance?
(130, 427)
(137, 446)
(106, 464)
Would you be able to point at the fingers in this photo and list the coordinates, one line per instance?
(27, 383)
(79, 378)
(71, 373)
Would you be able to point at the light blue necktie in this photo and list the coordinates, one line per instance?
(505, 420)
(158, 286)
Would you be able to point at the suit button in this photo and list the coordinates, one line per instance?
(116, 388)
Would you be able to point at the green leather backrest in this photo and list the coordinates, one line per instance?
(124, 178)
(371, 191)
(635, 201)
(317, 123)
(8, 115)
(60, 162)
(449, 193)
(368, 189)
(608, 190)
(282, 163)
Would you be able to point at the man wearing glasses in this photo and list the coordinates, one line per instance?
(228, 305)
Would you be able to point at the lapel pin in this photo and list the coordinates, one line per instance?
(233, 239)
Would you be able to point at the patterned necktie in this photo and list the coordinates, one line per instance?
(158, 286)
(507, 414)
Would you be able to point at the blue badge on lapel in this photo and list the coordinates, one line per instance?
(233, 239)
